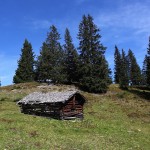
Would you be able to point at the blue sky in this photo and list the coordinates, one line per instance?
(125, 23)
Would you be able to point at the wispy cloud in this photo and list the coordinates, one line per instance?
(127, 26)
(134, 16)
(37, 23)
(41, 24)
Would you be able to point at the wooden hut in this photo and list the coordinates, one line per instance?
(59, 105)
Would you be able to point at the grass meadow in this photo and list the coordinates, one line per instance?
(117, 120)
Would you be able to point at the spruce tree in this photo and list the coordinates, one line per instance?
(43, 66)
(134, 70)
(117, 62)
(51, 60)
(94, 72)
(148, 64)
(25, 70)
(124, 78)
(59, 74)
(71, 59)
(144, 69)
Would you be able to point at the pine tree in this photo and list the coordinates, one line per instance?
(71, 60)
(117, 62)
(134, 69)
(148, 64)
(25, 70)
(59, 74)
(43, 65)
(144, 69)
(124, 79)
(94, 72)
(51, 59)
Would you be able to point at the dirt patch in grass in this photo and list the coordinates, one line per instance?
(92, 113)
(13, 129)
(38, 144)
(144, 117)
(6, 120)
(33, 134)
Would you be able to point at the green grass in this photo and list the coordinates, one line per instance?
(117, 120)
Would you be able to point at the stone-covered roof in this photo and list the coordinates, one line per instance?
(50, 97)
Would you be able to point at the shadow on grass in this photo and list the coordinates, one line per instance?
(17, 99)
(141, 93)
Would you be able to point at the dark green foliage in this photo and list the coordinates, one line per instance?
(25, 70)
(124, 79)
(43, 63)
(146, 68)
(134, 70)
(144, 75)
(71, 59)
(51, 59)
(58, 72)
(57, 58)
(127, 71)
(117, 67)
(148, 64)
(94, 72)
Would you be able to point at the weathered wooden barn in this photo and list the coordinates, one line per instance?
(59, 105)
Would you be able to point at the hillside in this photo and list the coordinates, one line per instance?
(117, 120)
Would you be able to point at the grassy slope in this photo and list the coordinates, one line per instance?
(116, 120)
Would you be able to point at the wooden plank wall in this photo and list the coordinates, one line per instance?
(73, 109)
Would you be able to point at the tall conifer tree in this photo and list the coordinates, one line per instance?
(148, 64)
(117, 61)
(25, 70)
(134, 69)
(94, 72)
(144, 69)
(124, 78)
(71, 60)
(43, 66)
(51, 59)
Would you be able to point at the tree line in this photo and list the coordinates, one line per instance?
(127, 72)
(85, 65)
